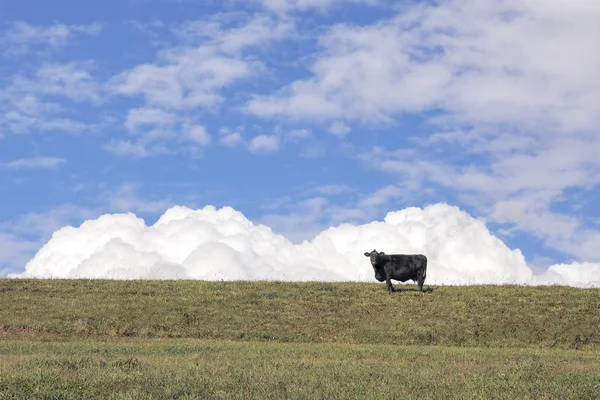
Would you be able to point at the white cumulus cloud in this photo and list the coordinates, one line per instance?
(215, 244)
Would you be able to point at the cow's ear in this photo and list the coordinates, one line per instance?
(381, 253)
(367, 254)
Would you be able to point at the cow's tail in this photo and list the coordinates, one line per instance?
(423, 273)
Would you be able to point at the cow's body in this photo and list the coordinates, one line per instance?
(400, 267)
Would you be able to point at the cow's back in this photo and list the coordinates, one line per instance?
(410, 261)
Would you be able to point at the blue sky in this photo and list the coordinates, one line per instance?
(302, 114)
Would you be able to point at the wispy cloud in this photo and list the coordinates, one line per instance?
(300, 214)
(520, 124)
(43, 224)
(37, 102)
(72, 80)
(147, 116)
(34, 162)
(15, 251)
(22, 37)
(191, 74)
(226, 38)
(230, 138)
(304, 219)
(339, 129)
(298, 134)
(264, 144)
(158, 131)
(198, 135)
(453, 57)
(514, 187)
(188, 78)
(130, 148)
(287, 6)
(126, 198)
(331, 189)
(382, 196)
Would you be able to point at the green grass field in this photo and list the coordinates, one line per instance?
(73, 339)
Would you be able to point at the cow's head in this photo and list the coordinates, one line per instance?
(374, 256)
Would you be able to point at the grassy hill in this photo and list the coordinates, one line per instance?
(481, 316)
(189, 339)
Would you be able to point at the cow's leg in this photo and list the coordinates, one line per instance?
(388, 283)
(421, 279)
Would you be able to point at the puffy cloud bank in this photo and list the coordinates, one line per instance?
(215, 244)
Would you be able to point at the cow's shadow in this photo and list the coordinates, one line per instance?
(428, 289)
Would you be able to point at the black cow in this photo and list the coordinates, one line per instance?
(400, 267)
